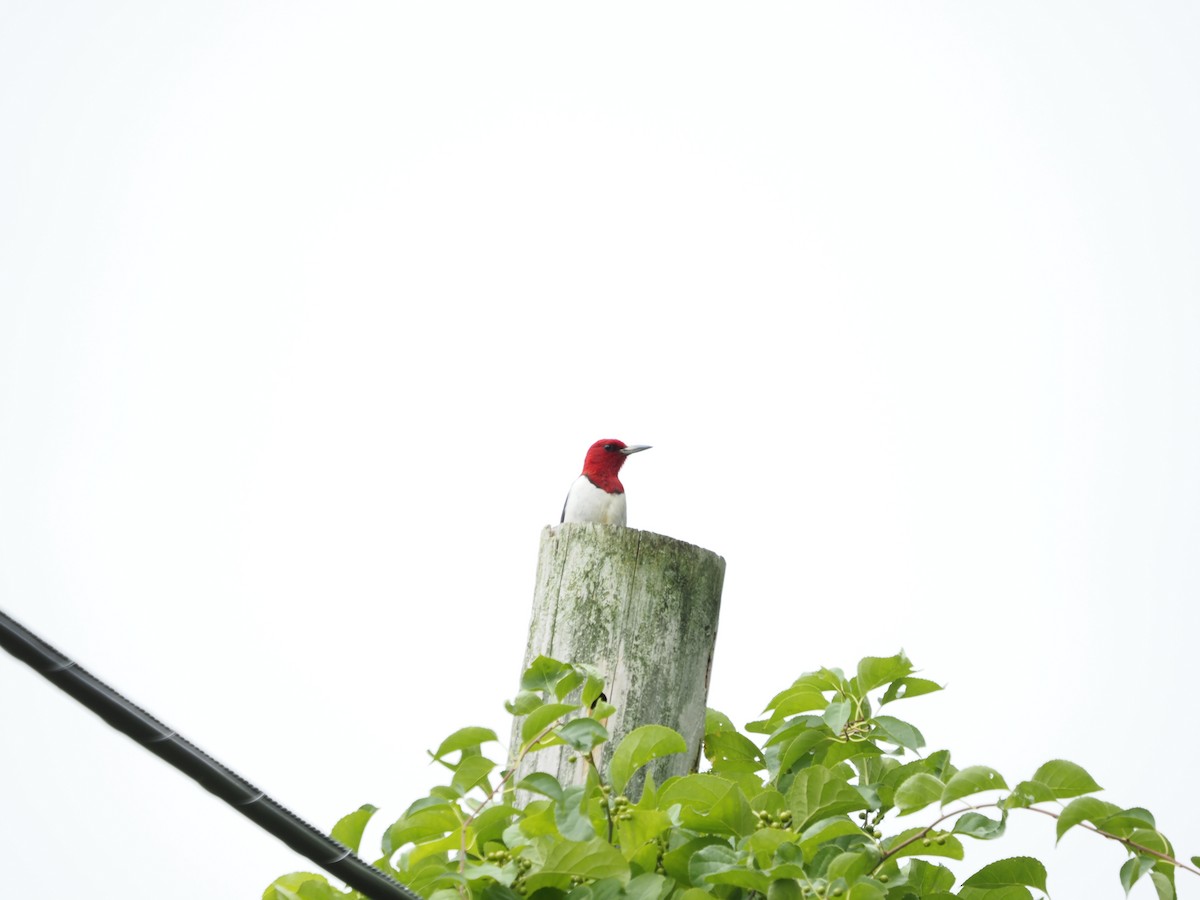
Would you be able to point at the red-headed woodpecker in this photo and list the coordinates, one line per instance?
(597, 494)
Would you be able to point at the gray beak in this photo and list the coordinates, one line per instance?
(636, 448)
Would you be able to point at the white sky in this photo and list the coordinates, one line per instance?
(308, 313)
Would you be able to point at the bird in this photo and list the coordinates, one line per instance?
(597, 495)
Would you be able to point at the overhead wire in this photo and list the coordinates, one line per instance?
(332, 856)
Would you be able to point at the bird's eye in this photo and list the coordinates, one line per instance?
(610, 447)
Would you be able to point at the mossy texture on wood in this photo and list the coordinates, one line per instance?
(640, 607)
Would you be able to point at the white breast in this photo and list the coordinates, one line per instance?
(588, 503)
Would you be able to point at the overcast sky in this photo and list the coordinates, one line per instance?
(309, 311)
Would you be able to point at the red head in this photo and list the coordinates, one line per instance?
(604, 460)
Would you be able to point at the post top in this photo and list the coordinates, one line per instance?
(619, 535)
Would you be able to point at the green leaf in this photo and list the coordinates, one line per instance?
(898, 732)
(439, 799)
(708, 803)
(824, 830)
(435, 847)
(1134, 869)
(1148, 837)
(740, 876)
(769, 800)
(593, 859)
(979, 826)
(796, 700)
(972, 780)
(538, 720)
(471, 771)
(420, 826)
(601, 710)
(583, 733)
(543, 674)
(593, 687)
(904, 688)
(1027, 793)
(641, 826)
(895, 775)
(472, 871)
(763, 844)
(866, 890)
(825, 680)
(524, 703)
(489, 825)
(465, 739)
(570, 815)
(715, 721)
(647, 886)
(851, 864)
(538, 821)
(349, 828)
(420, 876)
(1019, 870)
(1065, 779)
(1162, 884)
(874, 671)
(649, 793)
(710, 860)
(732, 746)
(928, 878)
(639, 747)
(817, 793)
(916, 792)
(903, 844)
(604, 889)
(287, 887)
(836, 715)
(676, 861)
(834, 752)
(1008, 892)
(541, 783)
(1126, 821)
(569, 681)
(1083, 809)
(803, 743)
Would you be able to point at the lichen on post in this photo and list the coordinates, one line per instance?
(642, 608)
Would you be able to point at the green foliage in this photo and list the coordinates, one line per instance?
(800, 813)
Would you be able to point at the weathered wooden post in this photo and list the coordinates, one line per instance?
(640, 607)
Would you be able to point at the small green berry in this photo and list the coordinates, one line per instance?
(884, 878)
(926, 842)
(941, 841)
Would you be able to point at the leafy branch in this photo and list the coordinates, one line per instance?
(770, 819)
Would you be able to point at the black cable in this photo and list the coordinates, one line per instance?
(124, 716)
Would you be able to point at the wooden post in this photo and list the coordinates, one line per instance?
(642, 608)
